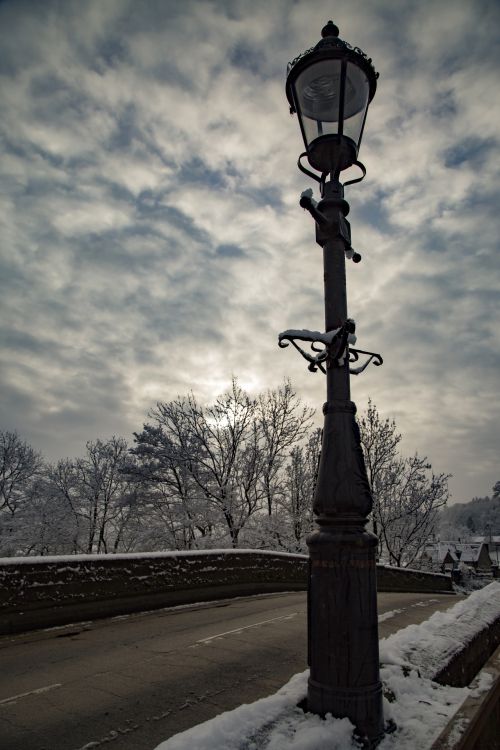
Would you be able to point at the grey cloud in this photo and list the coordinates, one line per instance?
(197, 171)
(473, 149)
(229, 251)
(153, 240)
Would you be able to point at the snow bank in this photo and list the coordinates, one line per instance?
(273, 723)
(431, 645)
(419, 707)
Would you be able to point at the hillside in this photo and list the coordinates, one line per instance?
(479, 516)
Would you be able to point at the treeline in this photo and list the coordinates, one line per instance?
(237, 473)
(479, 517)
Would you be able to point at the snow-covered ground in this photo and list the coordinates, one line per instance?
(419, 707)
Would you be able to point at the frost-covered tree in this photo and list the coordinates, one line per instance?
(196, 478)
(302, 471)
(407, 495)
(380, 441)
(480, 516)
(449, 531)
(42, 525)
(408, 508)
(98, 495)
(20, 468)
(20, 464)
(283, 422)
(208, 458)
(211, 469)
(292, 519)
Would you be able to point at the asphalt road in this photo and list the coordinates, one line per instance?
(130, 682)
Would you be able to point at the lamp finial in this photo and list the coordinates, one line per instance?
(329, 30)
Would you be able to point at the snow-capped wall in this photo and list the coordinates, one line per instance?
(39, 592)
(45, 591)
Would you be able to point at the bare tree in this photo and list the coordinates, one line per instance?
(209, 454)
(65, 486)
(20, 468)
(42, 525)
(102, 487)
(283, 422)
(408, 508)
(96, 490)
(407, 496)
(196, 477)
(301, 473)
(379, 441)
(20, 464)
(164, 464)
(222, 463)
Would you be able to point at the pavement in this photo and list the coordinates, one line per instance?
(136, 680)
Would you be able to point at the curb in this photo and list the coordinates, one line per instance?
(475, 726)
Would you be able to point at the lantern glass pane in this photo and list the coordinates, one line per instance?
(318, 96)
(318, 91)
(357, 89)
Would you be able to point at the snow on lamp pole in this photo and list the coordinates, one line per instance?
(329, 87)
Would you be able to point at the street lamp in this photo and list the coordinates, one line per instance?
(329, 87)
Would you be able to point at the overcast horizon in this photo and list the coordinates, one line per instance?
(152, 241)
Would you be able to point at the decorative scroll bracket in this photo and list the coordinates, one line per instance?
(317, 361)
(332, 350)
(372, 357)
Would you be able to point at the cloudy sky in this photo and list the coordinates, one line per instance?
(151, 238)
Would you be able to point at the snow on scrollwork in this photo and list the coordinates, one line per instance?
(338, 337)
(332, 346)
(304, 335)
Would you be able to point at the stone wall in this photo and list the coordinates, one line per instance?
(47, 591)
(404, 579)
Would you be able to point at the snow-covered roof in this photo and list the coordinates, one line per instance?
(463, 552)
(487, 539)
(470, 552)
(437, 551)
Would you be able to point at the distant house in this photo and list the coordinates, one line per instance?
(493, 544)
(447, 556)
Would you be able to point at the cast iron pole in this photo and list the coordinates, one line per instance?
(343, 627)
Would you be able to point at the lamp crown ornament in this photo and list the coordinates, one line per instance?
(330, 39)
(330, 30)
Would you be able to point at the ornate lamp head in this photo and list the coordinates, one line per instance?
(330, 87)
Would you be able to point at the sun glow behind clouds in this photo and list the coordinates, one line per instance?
(152, 239)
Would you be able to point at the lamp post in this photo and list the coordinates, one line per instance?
(329, 87)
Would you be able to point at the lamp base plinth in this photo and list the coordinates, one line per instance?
(362, 707)
(343, 628)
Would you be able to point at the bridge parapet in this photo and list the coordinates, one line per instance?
(39, 592)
